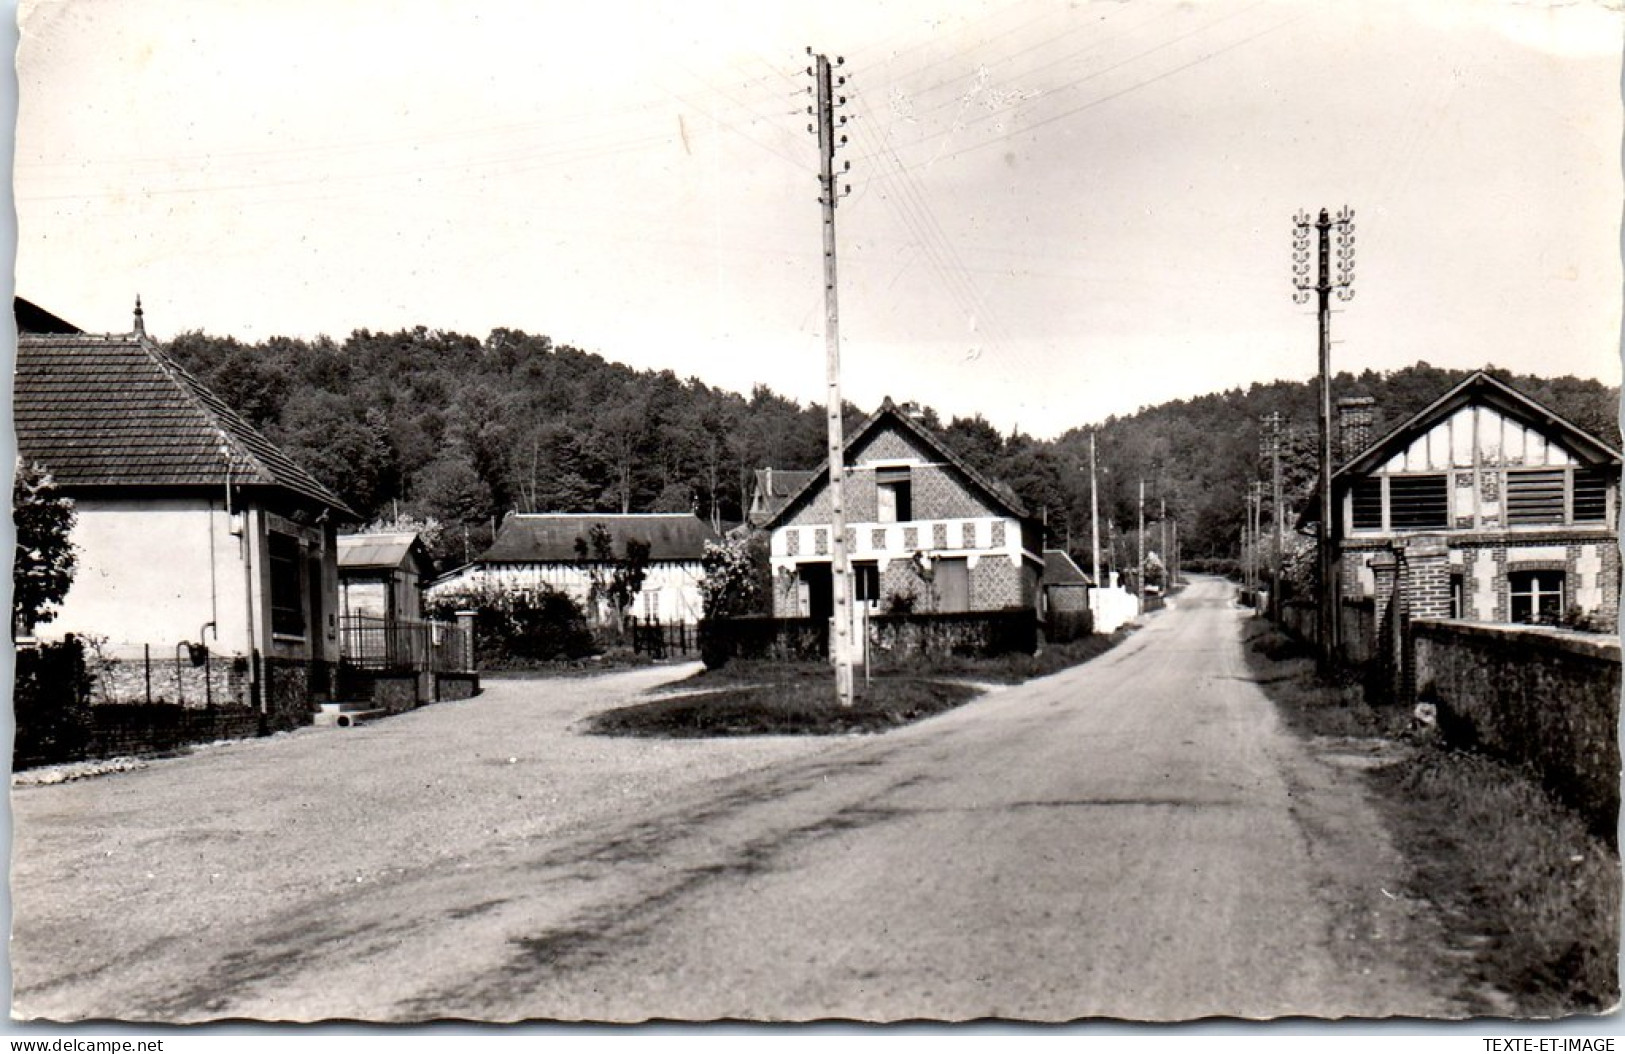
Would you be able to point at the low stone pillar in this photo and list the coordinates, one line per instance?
(465, 622)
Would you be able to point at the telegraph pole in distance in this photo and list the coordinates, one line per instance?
(1322, 286)
(1139, 568)
(1273, 420)
(840, 572)
(1094, 512)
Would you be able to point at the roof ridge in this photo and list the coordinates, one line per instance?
(996, 489)
(192, 390)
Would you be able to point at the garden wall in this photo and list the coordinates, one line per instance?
(1542, 697)
(900, 639)
(148, 728)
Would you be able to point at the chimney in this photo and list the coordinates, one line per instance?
(1356, 425)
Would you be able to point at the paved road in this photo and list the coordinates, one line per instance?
(1135, 838)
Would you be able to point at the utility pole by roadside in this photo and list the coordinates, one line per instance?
(1273, 421)
(1322, 286)
(1094, 512)
(1139, 567)
(840, 572)
(1162, 526)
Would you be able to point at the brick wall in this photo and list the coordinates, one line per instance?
(996, 583)
(163, 727)
(1541, 697)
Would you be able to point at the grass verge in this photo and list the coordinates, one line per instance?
(771, 698)
(1526, 898)
(793, 706)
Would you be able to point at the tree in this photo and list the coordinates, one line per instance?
(45, 560)
(611, 580)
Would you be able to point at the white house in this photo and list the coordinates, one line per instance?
(536, 550)
(192, 527)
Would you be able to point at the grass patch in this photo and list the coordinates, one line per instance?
(1312, 706)
(1018, 667)
(1526, 886)
(745, 698)
(1524, 893)
(794, 706)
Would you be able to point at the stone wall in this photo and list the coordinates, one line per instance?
(449, 686)
(160, 676)
(1541, 697)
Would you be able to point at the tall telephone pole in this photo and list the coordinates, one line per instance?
(840, 571)
(1327, 280)
(1094, 512)
(1273, 421)
(1139, 567)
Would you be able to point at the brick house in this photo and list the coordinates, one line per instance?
(1483, 506)
(533, 551)
(772, 488)
(925, 531)
(192, 527)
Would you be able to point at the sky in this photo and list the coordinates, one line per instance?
(1058, 211)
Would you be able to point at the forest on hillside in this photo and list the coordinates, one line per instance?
(425, 424)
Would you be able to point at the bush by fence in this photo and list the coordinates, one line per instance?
(522, 629)
(51, 704)
(1064, 626)
(893, 639)
(762, 638)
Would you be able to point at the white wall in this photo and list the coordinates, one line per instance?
(154, 572)
(671, 587)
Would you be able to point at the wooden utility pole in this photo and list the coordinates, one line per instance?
(1322, 286)
(1162, 525)
(1139, 566)
(840, 571)
(1273, 420)
(1094, 512)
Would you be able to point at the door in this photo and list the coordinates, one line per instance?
(819, 590)
(953, 585)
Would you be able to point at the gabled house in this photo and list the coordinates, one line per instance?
(533, 551)
(1485, 505)
(926, 531)
(382, 575)
(772, 489)
(193, 528)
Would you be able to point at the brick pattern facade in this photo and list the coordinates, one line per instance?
(1589, 560)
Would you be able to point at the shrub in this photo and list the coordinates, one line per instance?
(522, 628)
(51, 702)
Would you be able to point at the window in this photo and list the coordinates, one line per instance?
(287, 576)
(866, 580)
(1458, 596)
(1367, 498)
(895, 494)
(1418, 502)
(1590, 494)
(1537, 596)
(1535, 495)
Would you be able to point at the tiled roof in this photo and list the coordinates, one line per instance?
(1060, 569)
(380, 550)
(551, 537)
(889, 413)
(115, 411)
(781, 482)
